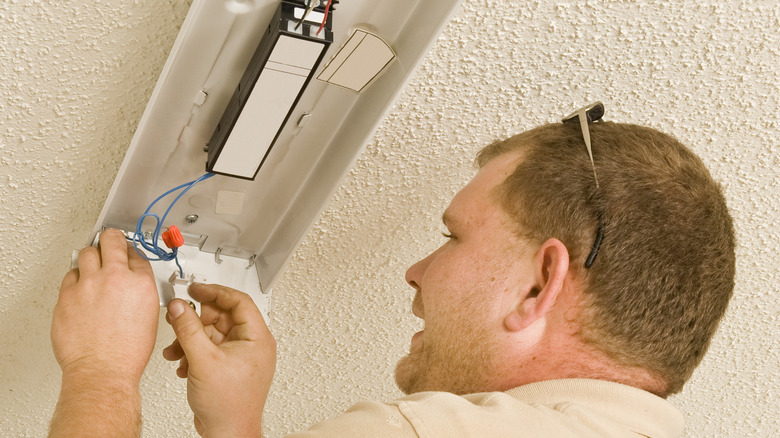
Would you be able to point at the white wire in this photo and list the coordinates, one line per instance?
(312, 5)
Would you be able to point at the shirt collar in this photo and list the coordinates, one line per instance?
(644, 412)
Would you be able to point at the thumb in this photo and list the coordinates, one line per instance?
(187, 326)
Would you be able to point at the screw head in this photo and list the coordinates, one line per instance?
(191, 218)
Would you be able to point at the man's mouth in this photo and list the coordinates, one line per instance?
(417, 306)
(417, 310)
(417, 339)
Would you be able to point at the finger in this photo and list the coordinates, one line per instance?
(217, 319)
(216, 336)
(184, 368)
(113, 248)
(216, 323)
(89, 260)
(169, 318)
(246, 318)
(173, 352)
(136, 262)
(210, 313)
(71, 278)
(198, 426)
(189, 330)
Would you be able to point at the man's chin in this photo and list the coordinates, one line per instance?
(407, 374)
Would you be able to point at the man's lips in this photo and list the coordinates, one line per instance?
(417, 310)
(417, 306)
(417, 338)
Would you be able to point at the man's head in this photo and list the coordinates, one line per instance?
(465, 290)
(658, 287)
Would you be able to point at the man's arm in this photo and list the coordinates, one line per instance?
(103, 333)
(96, 406)
(228, 356)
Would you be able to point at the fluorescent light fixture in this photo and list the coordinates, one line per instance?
(282, 65)
(218, 73)
(359, 61)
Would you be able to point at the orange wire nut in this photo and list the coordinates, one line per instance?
(173, 237)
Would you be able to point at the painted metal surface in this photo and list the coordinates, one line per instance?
(307, 162)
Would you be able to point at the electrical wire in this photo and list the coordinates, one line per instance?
(312, 5)
(324, 20)
(153, 246)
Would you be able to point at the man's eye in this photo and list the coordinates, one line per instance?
(447, 235)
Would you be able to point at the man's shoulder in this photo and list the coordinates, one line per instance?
(564, 407)
(571, 407)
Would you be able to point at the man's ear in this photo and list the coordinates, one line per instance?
(551, 265)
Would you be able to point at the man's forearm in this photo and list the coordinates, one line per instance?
(90, 407)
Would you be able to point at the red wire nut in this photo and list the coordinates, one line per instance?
(173, 237)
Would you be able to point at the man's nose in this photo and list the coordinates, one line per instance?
(415, 272)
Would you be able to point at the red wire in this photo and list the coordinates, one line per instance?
(325, 20)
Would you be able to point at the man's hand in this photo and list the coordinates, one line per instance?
(103, 333)
(228, 356)
(106, 316)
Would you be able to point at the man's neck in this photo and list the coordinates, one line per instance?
(566, 357)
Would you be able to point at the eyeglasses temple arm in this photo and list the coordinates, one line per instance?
(583, 117)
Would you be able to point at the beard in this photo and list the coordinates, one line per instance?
(459, 364)
(407, 378)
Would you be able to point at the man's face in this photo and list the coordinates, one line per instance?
(465, 290)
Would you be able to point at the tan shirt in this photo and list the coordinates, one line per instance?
(557, 408)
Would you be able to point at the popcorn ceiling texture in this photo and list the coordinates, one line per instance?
(75, 78)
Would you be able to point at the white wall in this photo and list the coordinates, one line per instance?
(75, 77)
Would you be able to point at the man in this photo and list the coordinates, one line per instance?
(572, 296)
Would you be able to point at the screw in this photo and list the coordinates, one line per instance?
(191, 218)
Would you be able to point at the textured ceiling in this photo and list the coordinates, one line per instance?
(75, 77)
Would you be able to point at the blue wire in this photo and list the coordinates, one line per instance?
(176, 258)
(204, 177)
(153, 247)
